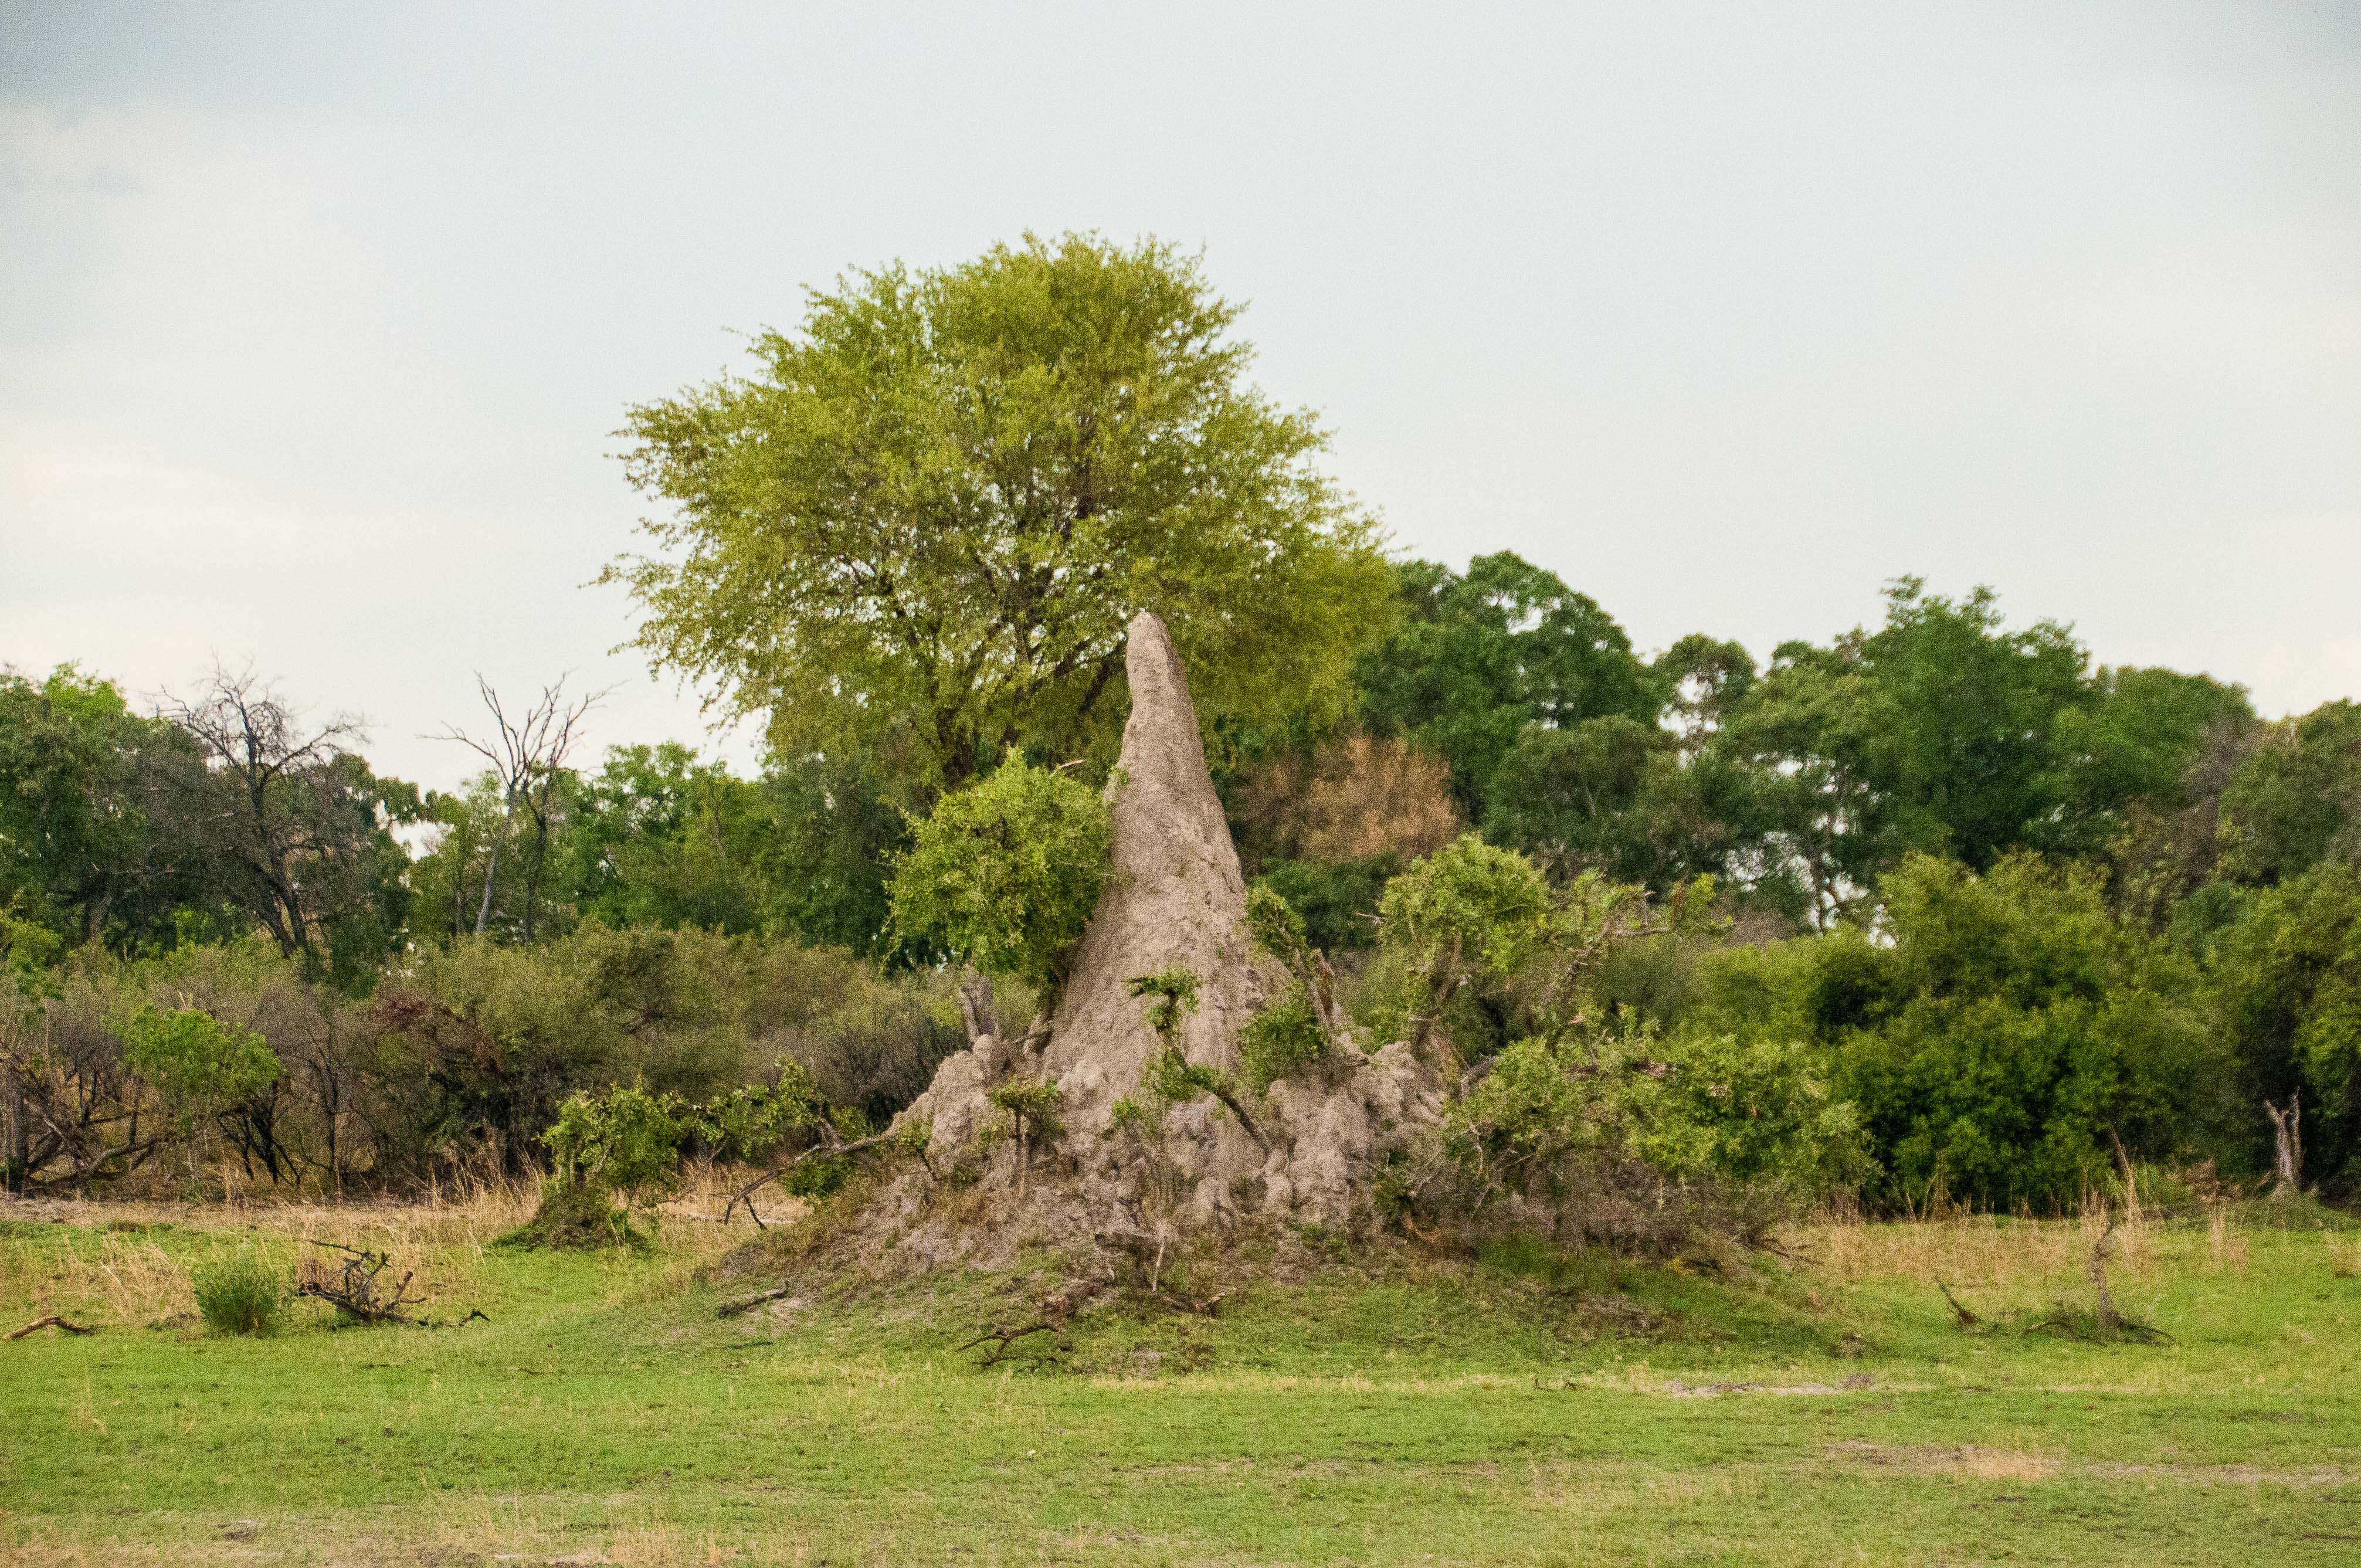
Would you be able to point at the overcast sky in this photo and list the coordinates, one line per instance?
(315, 321)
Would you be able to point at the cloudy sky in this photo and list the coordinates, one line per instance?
(315, 321)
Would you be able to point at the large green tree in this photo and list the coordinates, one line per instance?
(1478, 657)
(916, 529)
(1936, 732)
(80, 850)
(2296, 802)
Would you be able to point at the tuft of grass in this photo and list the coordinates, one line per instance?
(240, 1294)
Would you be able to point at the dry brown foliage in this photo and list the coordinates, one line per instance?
(1356, 797)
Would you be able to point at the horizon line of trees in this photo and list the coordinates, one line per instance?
(1835, 795)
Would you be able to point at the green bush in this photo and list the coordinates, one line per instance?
(2288, 984)
(242, 1295)
(1998, 1040)
(1335, 898)
(1282, 1039)
(1704, 1107)
(1756, 1111)
(198, 1064)
(625, 1141)
(1006, 872)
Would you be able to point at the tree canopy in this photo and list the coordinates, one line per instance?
(919, 526)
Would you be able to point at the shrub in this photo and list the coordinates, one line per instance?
(625, 1141)
(198, 1064)
(880, 1049)
(242, 1295)
(1337, 897)
(1756, 1112)
(1006, 872)
(2001, 1040)
(2288, 984)
(1282, 1039)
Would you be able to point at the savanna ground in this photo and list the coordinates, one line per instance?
(1823, 1408)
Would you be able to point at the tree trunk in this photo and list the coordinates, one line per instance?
(491, 866)
(20, 1130)
(533, 875)
(2287, 1137)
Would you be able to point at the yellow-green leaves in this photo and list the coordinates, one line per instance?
(918, 530)
(1005, 874)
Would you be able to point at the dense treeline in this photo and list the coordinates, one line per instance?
(2023, 910)
(2014, 919)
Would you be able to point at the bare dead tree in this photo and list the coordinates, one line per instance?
(527, 755)
(352, 1286)
(2287, 1138)
(258, 757)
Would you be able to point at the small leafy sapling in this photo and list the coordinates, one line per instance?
(201, 1067)
(1171, 995)
(1031, 1107)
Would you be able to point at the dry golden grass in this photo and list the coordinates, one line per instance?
(1985, 1252)
(128, 1279)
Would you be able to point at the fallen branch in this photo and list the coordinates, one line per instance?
(352, 1287)
(51, 1321)
(745, 1304)
(83, 1172)
(1003, 1339)
(1055, 1311)
(818, 1151)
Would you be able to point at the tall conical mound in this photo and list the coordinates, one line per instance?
(1174, 900)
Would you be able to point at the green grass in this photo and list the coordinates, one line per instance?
(1528, 1410)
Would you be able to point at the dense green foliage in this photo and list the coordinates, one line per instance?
(2003, 1041)
(918, 529)
(1005, 872)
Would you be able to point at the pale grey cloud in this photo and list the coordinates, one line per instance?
(316, 320)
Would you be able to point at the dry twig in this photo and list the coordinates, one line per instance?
(51, 1321)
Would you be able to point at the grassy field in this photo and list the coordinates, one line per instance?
(1519, 1410)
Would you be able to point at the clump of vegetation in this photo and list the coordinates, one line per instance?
(240, 1295)
(1281, 1040)
(202, 1067)
(1005, 874)
(1030, 1106)
(576, 1217)
(625, 1141)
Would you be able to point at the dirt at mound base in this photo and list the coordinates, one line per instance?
(576, 1217)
